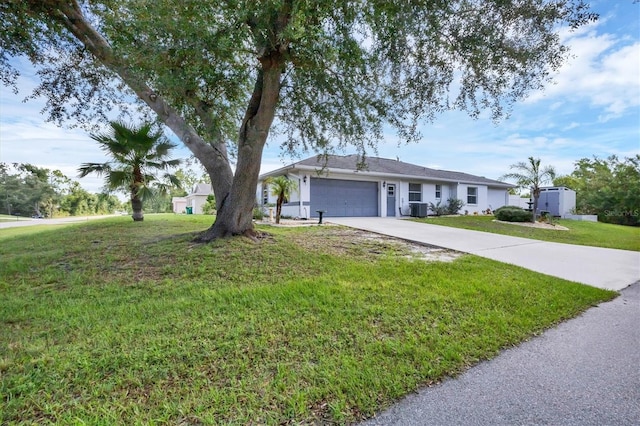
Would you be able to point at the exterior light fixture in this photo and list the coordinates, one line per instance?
(304, 179)
(384, 184)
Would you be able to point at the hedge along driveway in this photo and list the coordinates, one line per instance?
(600, 267)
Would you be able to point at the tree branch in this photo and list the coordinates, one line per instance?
(69, 15)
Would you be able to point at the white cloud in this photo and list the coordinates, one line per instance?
(602, 71)
(571, 125)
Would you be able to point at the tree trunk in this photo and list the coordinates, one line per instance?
(279, 208)
(136, 206)
(536, 195)
(235, 212)
(213, 156)
(235, 194)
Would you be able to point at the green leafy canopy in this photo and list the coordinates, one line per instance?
(349, 68)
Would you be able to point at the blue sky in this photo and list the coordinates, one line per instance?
(592, 109)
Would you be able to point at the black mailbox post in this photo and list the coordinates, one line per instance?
(320, 212)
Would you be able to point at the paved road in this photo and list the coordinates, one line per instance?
(56, 221)
(595, 266)
(584, 372)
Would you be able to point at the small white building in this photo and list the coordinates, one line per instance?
(559, 201)
(337, 186)
(179, 204)
(195, 200)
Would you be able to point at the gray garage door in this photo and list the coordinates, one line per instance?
(340, 198)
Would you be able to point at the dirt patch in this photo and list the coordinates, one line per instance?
(291, 222)
(339, 240)
(540, 225)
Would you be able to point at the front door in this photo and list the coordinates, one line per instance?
(391, 200)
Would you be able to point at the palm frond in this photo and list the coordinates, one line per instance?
(119, 179)
(145, 192)
(99, 169)
(154, 165)
(149, 177)
(173, 179)
(161, 188)
(162, 148)
(173, 163)
(131, 148)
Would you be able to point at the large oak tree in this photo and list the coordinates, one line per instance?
(329, 74)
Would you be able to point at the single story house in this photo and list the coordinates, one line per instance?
(336, 185)
(196, 199)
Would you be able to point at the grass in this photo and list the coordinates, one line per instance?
(8, 218)
(581, 233)
(115, 322)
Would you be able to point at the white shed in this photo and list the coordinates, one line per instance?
(559, 201)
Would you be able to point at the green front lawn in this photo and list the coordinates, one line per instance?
(581, 233)
(116, 322)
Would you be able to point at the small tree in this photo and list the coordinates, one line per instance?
(530, 175)
(281, 187)
(209, 207)
(138, 154)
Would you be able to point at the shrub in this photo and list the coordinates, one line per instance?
(453, 206)
(513, 214)
(437, 209)
(258, 213)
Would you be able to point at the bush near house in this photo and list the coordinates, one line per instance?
(453, 206)
(513, 214)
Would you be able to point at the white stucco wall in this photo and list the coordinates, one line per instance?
(516, 200)
(496, 198)
(196, 202)
(179, 204)
(481, 198)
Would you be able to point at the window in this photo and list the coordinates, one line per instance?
(415, 192)
(472, 195)
(391, 190)
(438, 192)
(265, 195)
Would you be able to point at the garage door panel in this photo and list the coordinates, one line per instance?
(344, 197)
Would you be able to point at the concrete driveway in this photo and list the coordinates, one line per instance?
(599, 267)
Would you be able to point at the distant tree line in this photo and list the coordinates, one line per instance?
(28, 190)
(609, 188)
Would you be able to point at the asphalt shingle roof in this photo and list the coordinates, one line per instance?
(385, 165)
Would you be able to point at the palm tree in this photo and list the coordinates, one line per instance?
(530, 175)
(281, 187)
(138, 154)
